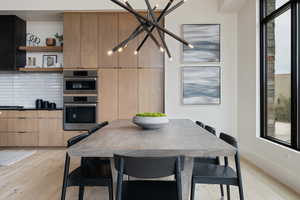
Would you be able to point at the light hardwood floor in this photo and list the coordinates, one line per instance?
(39, 177)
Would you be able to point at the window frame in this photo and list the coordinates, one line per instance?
(293, 5)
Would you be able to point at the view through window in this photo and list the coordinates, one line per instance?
(279, 69)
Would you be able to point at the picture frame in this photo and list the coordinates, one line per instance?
(206, 39)
(49, 61)
(201, 85)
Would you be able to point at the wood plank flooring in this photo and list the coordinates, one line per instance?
(39, 177)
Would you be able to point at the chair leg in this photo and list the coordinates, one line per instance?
(193, 190)
(81, 192)
(65, 179)
(241, 192)
(110, 190)
(228, 192)
(222, 190)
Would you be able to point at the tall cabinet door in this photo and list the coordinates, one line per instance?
(108, 39)
(127, 24)
(108, 95)
(151, 90)
(72, 50)
(128, 93)
(150, 55)
(89, 40)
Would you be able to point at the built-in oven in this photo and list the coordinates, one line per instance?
(80, 82)
(80, 112)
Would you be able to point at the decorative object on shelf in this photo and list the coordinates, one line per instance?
(51, 42)
(201, 85)
(151, 120)
(148, 24)
(60, 38)
(49, 60)
(32, 39)
(206, 40)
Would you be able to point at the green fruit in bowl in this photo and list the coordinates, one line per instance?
(148, 114)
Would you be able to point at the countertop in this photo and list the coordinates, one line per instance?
(29, 109)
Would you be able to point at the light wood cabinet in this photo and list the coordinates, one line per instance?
(108, 95)
(3, 139)
(127, 24)
(89, 40)
(128, 93)
(3, 122)
(151, 90)
(108, 39)
(50, 128)
(150, 55)
(72, 50)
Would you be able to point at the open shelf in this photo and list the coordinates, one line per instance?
(41, 48)
(41, 70)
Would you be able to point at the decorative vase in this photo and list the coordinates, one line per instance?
(50, 42)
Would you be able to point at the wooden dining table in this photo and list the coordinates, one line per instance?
(179, 137)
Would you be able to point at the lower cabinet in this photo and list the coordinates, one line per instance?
(33, 129)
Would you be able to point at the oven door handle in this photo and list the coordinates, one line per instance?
(80, 78)
(81, 105)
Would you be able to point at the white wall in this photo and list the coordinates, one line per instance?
(280, 162)
(222, 116)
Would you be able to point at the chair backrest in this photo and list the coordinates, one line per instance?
(200, 124)
(77, 139)
(229, 139)
(149, 167)
(210, 129)
(97, 127)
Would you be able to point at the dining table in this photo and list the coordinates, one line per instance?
(179, 137)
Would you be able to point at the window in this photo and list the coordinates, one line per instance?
(280, 114)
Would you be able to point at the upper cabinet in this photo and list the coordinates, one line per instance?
(72, 51)
(107, 38)
(12, 35)
(150, 54)
(89, 40)
(89, 36)
(127, 24)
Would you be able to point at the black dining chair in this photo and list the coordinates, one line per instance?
(209, 160)
(97, 127)
(210, 129)
(149, 168)
(201, 124)
(93, 171)
(215, 174)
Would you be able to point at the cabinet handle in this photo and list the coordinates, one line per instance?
(22, 118)
(22, 132)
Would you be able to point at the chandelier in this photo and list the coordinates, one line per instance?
(148, 24)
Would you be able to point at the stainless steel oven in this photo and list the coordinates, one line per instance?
(80, 82)
(80, 112)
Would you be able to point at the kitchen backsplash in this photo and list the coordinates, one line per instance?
(22, 89)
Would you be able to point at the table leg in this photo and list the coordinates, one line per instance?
(186, 178)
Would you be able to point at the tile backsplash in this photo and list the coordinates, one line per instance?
(22, 89)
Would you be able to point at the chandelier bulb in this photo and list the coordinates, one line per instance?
(162, 49)
(170, 58)
(120, 49)
(191, 46)
(110, 52)
(135, 52)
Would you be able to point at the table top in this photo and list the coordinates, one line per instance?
(179, 137)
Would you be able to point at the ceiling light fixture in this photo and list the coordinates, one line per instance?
(148, 24)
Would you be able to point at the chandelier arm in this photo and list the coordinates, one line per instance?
(150, 22)
(152, 28)
(174, 7)
(159, 32)
(145, 28)
(133, 35)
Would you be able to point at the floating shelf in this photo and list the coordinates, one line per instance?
(41, 48)
(41, 69)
